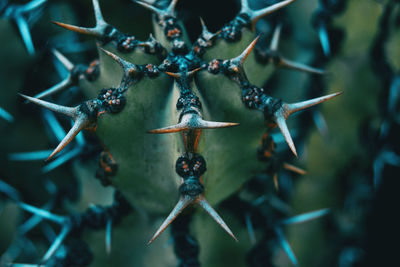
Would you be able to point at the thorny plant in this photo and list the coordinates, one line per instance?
(204, 87)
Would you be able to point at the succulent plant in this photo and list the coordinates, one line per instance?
(181, 124)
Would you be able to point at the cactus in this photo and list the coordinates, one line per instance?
(177, 126)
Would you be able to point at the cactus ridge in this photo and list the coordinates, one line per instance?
(182, 64)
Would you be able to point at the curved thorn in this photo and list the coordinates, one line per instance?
(207, 207)
(205, 33)
(286, 246)
(178, 75)
(324, 39)
(128, 67)
(183, 202)
(57, 243)
(287, 109)
(29, 156)
(169, 11)
(242, 57)
(203, 26)
(173, 74)
(54, 125)
(320, 122)
(70, 112)
(293, 168)
(192, 72)
(258, 14)
(250, 228)
(170, 129)
(25, 34)
(90, 31)
(80, 123)
(215, 125)
(171, 8)
(108, 236)
(42, 213)
(292, 108)
(64, 61)
(281, 122)
(97, 12)
(193, 121)
(276, 182)
(97, 31)
(244, 6)
(10, 191)
(305, 217)
(64, 84)
(275, 38)
(298, 66)
(32, 5)
(5, 115)
(158, 11)
(62, 159)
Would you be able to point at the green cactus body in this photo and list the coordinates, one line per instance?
(146, 173)
(192, 156)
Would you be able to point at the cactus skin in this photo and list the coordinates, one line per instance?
(145, 163)
(146, 173)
